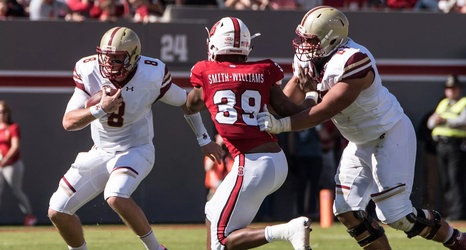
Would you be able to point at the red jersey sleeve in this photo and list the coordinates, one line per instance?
(275, 71)
(196, 74)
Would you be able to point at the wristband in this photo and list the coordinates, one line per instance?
(97, 111)
(313, 95)
(195, 122)
(203, 140)
(286, 123)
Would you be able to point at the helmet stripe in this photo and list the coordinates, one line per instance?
(110, 41)
(310, 12)
(237, 32)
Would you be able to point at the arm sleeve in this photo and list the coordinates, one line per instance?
(196, 124)
(77, 100)
(175, 96)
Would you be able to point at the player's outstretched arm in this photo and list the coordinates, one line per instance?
(268, 123)
(283, 106)
(339, 97)
(208, 147)
(191, 109)
(195, 102)
(302, 82)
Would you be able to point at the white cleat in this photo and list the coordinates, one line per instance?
(298, 233)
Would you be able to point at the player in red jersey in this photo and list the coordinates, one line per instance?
(235, 91)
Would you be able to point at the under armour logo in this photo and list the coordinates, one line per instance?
(129, 88)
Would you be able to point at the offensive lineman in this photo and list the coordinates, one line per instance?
(234, 91)
(379, 161)
(122, 130)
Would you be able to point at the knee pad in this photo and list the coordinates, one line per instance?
(367, 225)
(418, 223)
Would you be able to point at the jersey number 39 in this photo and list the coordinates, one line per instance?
(226, 102)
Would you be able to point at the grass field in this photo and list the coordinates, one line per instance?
(187, 237)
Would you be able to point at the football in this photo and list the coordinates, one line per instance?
(95, 98)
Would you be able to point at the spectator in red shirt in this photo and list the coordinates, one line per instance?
(11, 165)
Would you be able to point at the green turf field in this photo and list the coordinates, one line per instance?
(185, 237)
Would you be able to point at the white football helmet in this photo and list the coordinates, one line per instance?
(321, 31)
(118, 41)
(229, 36)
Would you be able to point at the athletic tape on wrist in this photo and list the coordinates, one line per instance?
(196, 124)
(285, 124)
(312, 95)
(97, 111)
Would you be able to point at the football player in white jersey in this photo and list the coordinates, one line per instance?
(378, 162)
(122, 130)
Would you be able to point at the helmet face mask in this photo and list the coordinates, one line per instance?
(112, 64)
(229, 36)
(307, 49)
(118, 53)
(321, 31)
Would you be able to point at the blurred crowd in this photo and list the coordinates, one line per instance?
(81, 10)
(146, 11)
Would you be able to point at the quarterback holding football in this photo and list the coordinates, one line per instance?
(122, 131)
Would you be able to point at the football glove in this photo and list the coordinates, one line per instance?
(268, 123)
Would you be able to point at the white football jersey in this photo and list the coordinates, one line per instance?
(132, 124)
(375, 110)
